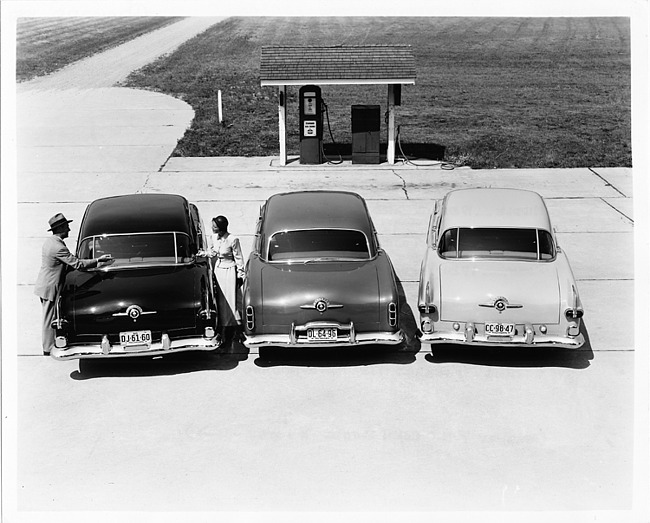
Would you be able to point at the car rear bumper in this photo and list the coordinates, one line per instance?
(106, 350)
(459, 338)
(348, 340)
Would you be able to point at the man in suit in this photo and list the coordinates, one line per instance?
(55, 256)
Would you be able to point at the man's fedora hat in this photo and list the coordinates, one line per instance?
(57, 221)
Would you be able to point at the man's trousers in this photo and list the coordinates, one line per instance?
(48, 331)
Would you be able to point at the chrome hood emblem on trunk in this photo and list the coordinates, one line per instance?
(134, 312)
(501, 304)
(321, 305)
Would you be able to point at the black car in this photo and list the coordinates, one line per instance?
(156, 297)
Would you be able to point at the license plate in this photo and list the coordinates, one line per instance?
(327, 334)
(133, 339)
(500, 329)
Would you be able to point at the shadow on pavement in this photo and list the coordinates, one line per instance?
(407, 321)
(414, 150)
(226, 357)
(333, 357)
(515, 356)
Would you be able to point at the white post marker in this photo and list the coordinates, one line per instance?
(391, 125)
(219, 103)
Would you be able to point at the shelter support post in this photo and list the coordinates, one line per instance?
(282, 119)
(390, 154)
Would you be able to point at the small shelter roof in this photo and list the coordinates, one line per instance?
(339, 64)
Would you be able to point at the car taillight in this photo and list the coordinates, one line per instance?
(250, 318)
(573, 314)
(392, 314)
(427, 309)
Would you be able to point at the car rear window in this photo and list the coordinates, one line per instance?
(319, 244)
(505, 243)
(139, 249)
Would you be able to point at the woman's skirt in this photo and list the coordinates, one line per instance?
(227, 296)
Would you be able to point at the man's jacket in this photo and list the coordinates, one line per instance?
(55, 256)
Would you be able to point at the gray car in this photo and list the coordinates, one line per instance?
(317, 276)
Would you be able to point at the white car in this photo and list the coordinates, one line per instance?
(493, 274)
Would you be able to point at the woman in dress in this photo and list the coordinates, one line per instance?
(228, 265)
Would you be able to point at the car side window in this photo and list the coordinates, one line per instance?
(546, 248)
(448, 246)
(197, 227)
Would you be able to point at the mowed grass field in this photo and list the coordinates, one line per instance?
(489, 92)
(493, 92)
(44, 45)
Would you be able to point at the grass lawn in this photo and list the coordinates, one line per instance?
(494, 92)
(44, 45)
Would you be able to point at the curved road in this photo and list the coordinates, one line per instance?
(110, 67)
(74, 120)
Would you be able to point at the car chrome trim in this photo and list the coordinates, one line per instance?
(134, 312)
(106, 350)
(321, 305)
(250, 317)
(501, 304)
(353, 339)
(392, 314)
(458, 338)
(469, 332)
(105, 345)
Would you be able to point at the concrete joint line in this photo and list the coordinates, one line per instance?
(608, 183)
(403, 183)
(144, 185)
(618, 210)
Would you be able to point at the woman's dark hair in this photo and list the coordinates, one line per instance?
(221, 223)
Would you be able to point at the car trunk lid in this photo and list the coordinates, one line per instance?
(290, 293)
(164, 298)
(470, 289)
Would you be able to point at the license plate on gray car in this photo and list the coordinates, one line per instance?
(322, 334)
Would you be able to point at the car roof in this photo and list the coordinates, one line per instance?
(134, 213)
(316, 210)
(494, 207)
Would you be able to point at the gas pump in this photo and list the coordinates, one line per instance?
(311, 124)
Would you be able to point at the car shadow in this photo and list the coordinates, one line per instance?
(333, 357)
(226, 357)
(402, 354)
(515, 356)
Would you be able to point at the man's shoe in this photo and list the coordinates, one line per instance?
(46, 353)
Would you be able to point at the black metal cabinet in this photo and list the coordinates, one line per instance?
(366, 124)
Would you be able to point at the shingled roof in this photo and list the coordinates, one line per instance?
(340, 64)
